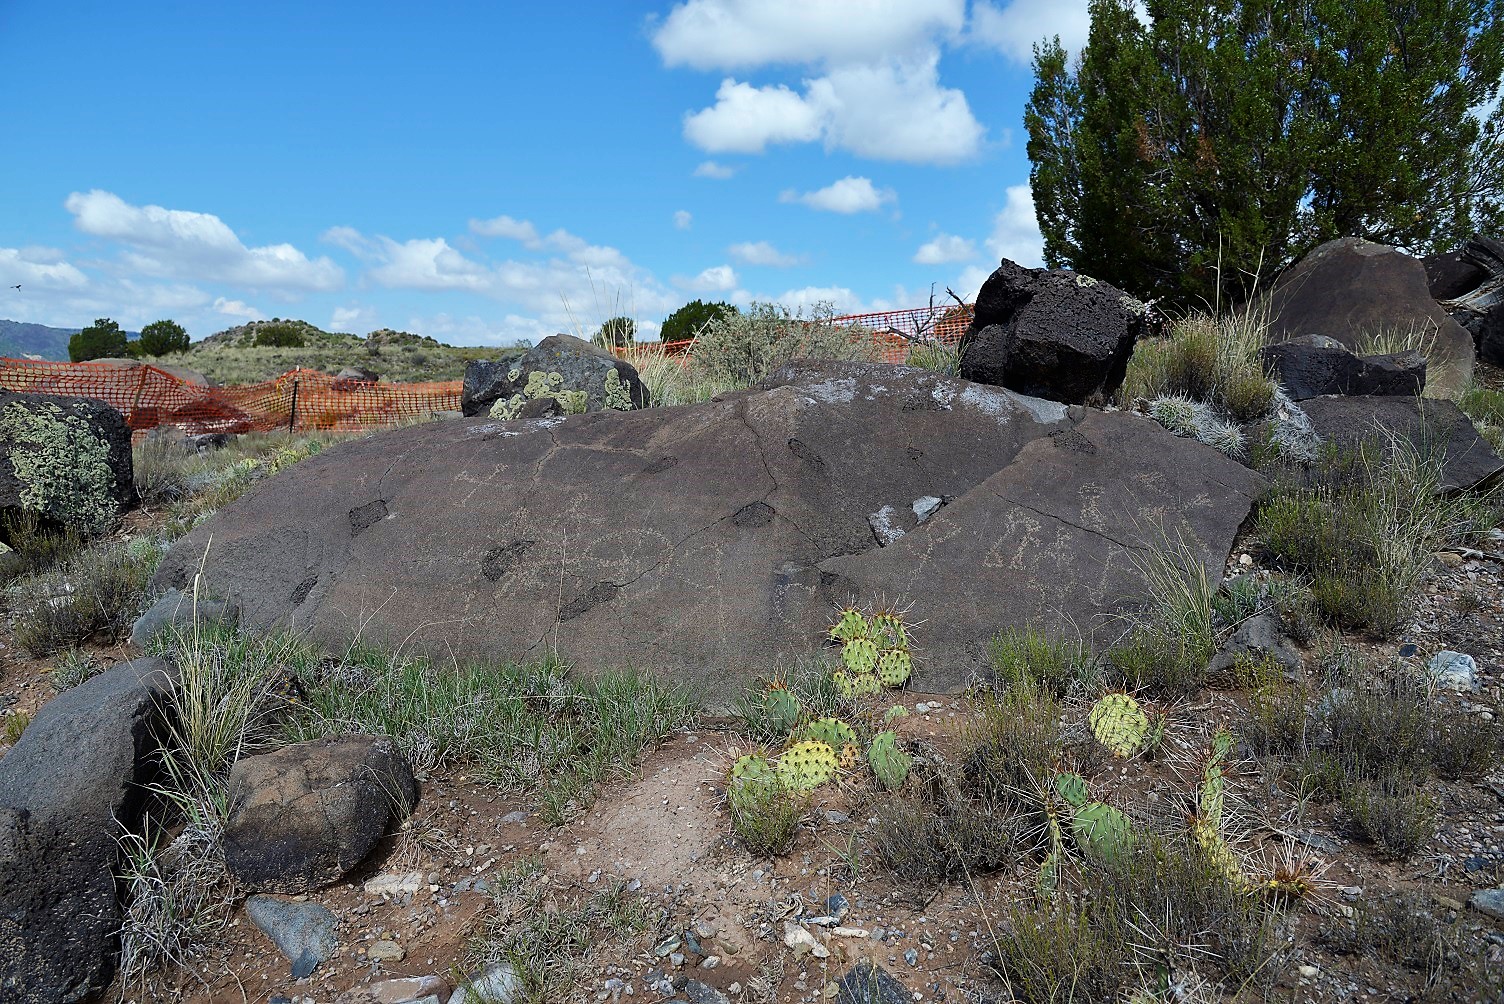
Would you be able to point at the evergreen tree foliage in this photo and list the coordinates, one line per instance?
(101, 340)
(161, 337)
(689, 320)
(1183, 157)
(618, 332)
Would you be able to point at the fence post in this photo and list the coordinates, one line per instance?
(292, 417)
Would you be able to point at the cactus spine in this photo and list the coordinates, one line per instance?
(1119, 724)
(831, 731)
(1101, 831)
(808, 764)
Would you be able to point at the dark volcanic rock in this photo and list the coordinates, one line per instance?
(712, 541)
(304, 815)
(67, 788)
(1348, 288)
(1467, 460)
(1052, 334)
(67, 459)
(486, 382)
(1316, 365)
(575, 363)
(1450, 275)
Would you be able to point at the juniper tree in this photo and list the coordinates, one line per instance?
(1183, 156)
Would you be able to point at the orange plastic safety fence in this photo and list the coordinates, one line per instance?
(894, 333)
(299, 399)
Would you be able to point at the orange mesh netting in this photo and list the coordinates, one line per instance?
(299, 399)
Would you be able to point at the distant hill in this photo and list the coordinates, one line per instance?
(18, 338)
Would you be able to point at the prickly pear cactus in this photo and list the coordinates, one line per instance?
(753, 765)
(831, 731)
(851, 624)
(894, 667)
(780, 708)
(859, 656)
(1101, 831)
(889, 763)
(808, 764)
(1119, 724)
(747, 774)
(888, 630)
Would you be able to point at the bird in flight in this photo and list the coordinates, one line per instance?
(16, 286)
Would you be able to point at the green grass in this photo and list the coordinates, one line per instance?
(1214, 361)
(242, 364)
(92, 596)
(213, 480)
(1361, 530)
(1027, 654)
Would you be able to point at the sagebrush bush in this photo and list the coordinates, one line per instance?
(741, 350)
(1016, 745)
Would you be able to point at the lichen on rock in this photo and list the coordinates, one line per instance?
(618, 394)
(61, 465)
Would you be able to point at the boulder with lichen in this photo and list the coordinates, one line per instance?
(65, 459)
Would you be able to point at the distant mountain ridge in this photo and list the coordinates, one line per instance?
(20, 338)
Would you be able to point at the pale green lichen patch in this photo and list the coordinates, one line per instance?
(618, 394)
(540, 385)
(61, 465)
(1085, 281)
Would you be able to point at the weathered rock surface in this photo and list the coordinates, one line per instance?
(1051, 333)
(572, 365)
(1437, 428)
(67, 459)
(1450, 275)
(304, 815)
(869, 984)
(1314, 365)
(1480, 309)
(710, 542)
(67, 788)
(1348, 288)
(303, 932)
(176, 610)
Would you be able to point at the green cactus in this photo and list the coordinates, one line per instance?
(1210, 798)
(851, 624)
(747, 773)
(1119, 724)
(896, 711)
(888, 630)
(831, 731)
(780, 708)
(889, 762)
(1049, 869)
(808, 764)
(859, 656)
(894, 667)
(1101, 831)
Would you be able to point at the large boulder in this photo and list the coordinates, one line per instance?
(1053, 334)
(1480, 308)
(1451, 274)
(1316, 365)
(66, 459)
(582, 377)
(68, 789)
(1433, 428)
(1350, 288)
(304, 815)
(712, 542)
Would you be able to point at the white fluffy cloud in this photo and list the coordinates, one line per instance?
(887, 110)
(945, 248)
(761, 253)
(175, 243)
(505, 226)
(240, 309)
(38, 269)
(710, 169)
(683, 219)
(1015, 229)
(717, 279)
(876, 92)
(1014, 29)
(849, 195)
(729, 34)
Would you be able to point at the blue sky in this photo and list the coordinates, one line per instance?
(491, 172)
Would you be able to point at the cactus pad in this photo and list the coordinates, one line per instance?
(1072, 788)
(888, 630)
(831, 731)
(780, 708)
(889, 763)
(859, 655)
(1119, 724)
(749, 773)
(894, 667)
(851, 624)
(808, 764)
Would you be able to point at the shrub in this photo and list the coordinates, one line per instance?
(743, 349)
(688, 321)
(15, 725)
(73, 667)
(160, 467)
(1362, 530)
(94, 595)
(1027, 655)
(1213, 362)
(1277, 720)
(101, 340)
(283, 335)
(1016, 745)
(920, 843)
(766, 813)
(1393, 813)
(161, 337)
(38, 543)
